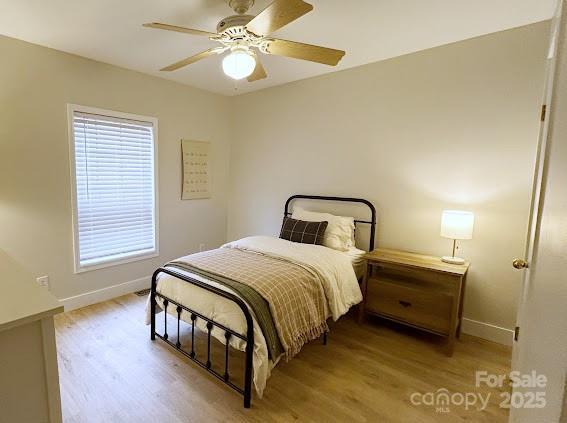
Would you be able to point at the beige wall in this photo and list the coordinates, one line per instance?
(451, 127)
(36, 84)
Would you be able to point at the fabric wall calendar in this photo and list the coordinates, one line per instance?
(196, 169)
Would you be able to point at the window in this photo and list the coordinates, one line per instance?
(113, 158)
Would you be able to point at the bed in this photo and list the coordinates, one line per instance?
(301, 286)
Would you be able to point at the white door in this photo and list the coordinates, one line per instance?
(528, 261)
(542, 316)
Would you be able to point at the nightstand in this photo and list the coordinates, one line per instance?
(415, 290)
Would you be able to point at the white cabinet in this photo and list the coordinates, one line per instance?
(29, 380)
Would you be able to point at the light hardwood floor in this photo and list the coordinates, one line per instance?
(111, 372)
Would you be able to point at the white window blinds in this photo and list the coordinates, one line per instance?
(115, 192)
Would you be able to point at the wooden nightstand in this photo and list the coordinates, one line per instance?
(416, 290)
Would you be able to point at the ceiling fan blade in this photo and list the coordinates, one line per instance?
(327, 56)
(278, 14)
(259, 71)
(193, 59)
(167, 27)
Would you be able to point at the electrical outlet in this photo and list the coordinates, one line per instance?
(43, 281)
(202, 247)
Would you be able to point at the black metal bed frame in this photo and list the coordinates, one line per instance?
(371, 222)
(246, 390)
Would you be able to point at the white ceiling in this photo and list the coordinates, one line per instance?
(368, 30)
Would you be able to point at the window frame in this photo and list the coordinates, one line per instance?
(71, 109)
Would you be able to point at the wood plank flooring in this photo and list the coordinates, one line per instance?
(111, 372)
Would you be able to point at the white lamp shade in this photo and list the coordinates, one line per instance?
(238, 64)
(456, 224)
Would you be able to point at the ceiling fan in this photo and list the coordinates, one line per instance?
(242, 34)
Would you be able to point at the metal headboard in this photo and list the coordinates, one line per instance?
(371, 222)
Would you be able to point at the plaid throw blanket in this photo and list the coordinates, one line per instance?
(294, 294)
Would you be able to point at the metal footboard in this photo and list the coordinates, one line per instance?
(246, 391)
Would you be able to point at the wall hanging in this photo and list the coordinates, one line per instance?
(196, 169)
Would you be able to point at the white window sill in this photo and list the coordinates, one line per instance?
(115, 260)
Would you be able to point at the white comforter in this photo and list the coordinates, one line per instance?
(334, 268)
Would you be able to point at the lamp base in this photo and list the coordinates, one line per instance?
(453, 260)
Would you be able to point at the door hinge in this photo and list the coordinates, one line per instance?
(543, 110)
(516, 333)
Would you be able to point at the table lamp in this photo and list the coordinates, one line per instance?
(456, 224)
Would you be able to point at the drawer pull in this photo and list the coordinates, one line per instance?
(404, 303)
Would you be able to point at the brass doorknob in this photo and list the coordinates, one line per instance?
(520, 264)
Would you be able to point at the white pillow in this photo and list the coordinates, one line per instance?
(340, 231)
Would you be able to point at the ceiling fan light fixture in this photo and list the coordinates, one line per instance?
(239, 64)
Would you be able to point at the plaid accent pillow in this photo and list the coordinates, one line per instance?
(302, 231)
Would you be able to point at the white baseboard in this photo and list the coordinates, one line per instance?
(482, 330)
(487, 331)
(105, 294)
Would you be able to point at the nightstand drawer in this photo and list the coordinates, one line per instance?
(426, 309)
(434, 280)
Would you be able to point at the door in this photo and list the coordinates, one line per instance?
(524, 264)
(540, 353)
